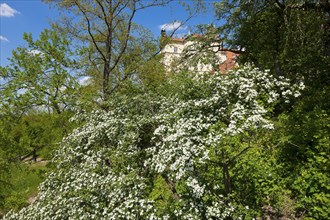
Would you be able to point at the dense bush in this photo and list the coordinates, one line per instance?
(187, 151)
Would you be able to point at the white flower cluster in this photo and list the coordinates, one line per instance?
(103, 166)
(196, 189)
(237, 101)
(82, 193)
(232, 104)
(219, 211)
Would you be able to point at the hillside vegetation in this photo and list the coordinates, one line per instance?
(136, 142)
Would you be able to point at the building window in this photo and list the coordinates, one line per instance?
(175, 49)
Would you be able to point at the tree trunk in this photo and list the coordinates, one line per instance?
(34, 155)
(226, 176)
(171, 185)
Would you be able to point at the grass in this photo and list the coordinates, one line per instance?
(24, 181)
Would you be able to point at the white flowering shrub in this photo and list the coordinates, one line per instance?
(107, 168)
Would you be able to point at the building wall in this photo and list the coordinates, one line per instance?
(172, 52)
(229, 63)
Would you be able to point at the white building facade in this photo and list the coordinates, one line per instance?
(175, 50)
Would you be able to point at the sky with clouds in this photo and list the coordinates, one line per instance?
(32, 16)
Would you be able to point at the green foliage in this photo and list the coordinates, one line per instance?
(22, 185)
(39, 132)
(163, 196)
(34, 131)
(40, 76)
(291, 38)
(182, 146)
(288, 37)
(35, 134)
(304, 154)
(38, 90)
(178, 153)
(113, 47)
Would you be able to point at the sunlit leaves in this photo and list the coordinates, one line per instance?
(150, 150)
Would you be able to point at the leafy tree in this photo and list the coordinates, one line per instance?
(158, 155)
(291, 38)
(39, 89)
(113, 46)
(35, 135)
(5, 154)
(40, 76)
(304, 155)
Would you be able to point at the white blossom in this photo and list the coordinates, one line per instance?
(86, 185)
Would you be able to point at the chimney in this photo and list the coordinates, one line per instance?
(163, 33)
(163, 39)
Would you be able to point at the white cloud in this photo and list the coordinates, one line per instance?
(85, 80)
(176, 25)
(2, 38)
(7, 11)
(35, 52)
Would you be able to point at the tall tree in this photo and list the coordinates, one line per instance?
(40, 76)
(108, 30)
(39, 90)
(289, 37)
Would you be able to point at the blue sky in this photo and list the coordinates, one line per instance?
(32, 16)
